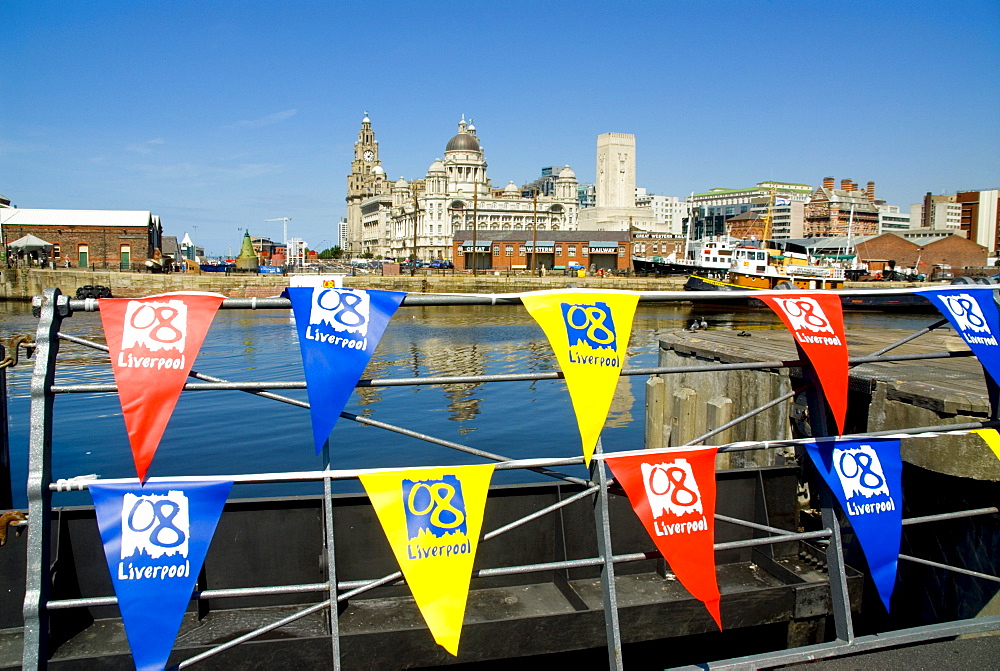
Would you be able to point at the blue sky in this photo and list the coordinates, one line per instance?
(219, 115)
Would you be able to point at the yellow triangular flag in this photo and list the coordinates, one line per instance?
(589, 332)
(432, 518)
(992, 439)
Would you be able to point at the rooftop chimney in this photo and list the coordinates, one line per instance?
(828, 183)
(871, 192)
(845, 185)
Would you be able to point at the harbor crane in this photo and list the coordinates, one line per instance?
(284, 228)
(284, 231)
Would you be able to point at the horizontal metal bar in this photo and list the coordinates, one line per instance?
(753, 525)
(512, 377)
(860, 644)
(93, 602)
(421, 299)
(948, 567)
(950, 516)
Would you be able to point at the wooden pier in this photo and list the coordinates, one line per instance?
(885, 395)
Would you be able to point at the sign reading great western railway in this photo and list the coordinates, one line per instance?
(153, 342)
(589, 333)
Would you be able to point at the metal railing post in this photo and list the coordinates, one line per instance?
(38, 556)
(331, 561)
(839, 597)
(609, 594)
(6, 486)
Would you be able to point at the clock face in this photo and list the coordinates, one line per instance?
(369, 155)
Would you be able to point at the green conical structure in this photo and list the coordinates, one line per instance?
(247, 260)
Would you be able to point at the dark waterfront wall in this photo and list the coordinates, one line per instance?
(23, 283)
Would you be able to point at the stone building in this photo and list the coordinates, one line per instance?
(710, 210)
(843, 211)
(402, 219)
(88, 238)
(367, 179)
(922, 254)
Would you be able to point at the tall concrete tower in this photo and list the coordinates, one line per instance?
(616, 170)
(615, 208)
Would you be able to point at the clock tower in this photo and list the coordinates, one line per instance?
(367, 179)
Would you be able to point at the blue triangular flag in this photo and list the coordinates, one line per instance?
(155, 539)
(866, 477)
(339, 330)
(972, 311)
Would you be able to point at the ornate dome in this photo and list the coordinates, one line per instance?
(511, 188)
(377, 170)
(436, 166)
(567, 173)
(463, 142)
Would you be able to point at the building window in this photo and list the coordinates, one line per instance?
(521, 251)
(621, 252)
(510, 250)
(558, 250)
(125, 257)
(586, 251)
(571, 251)
(496, 250)
(83, 255)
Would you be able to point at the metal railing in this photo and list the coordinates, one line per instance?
(54, 308)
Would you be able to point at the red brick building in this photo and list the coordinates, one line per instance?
(99, 238)
(515, 250)
(949, 250)
(843, 211)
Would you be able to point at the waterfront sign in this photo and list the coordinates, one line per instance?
(866, 478)
(153, 343)
(673, 494)
(816, 322)
(338, 330)
(432, 518)
(589, 332)
(155, 539)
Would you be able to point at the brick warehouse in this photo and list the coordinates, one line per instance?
(513, 250)
(88, 238)
(949, 250)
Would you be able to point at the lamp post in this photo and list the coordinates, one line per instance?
(475, 222)
(534, 231)
(416, 214)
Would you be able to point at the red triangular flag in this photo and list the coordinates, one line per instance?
(153, 342)
(817, 324)
(673, 493)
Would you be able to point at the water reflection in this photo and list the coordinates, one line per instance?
(234, 432)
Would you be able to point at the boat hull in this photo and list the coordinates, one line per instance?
(889, 302)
